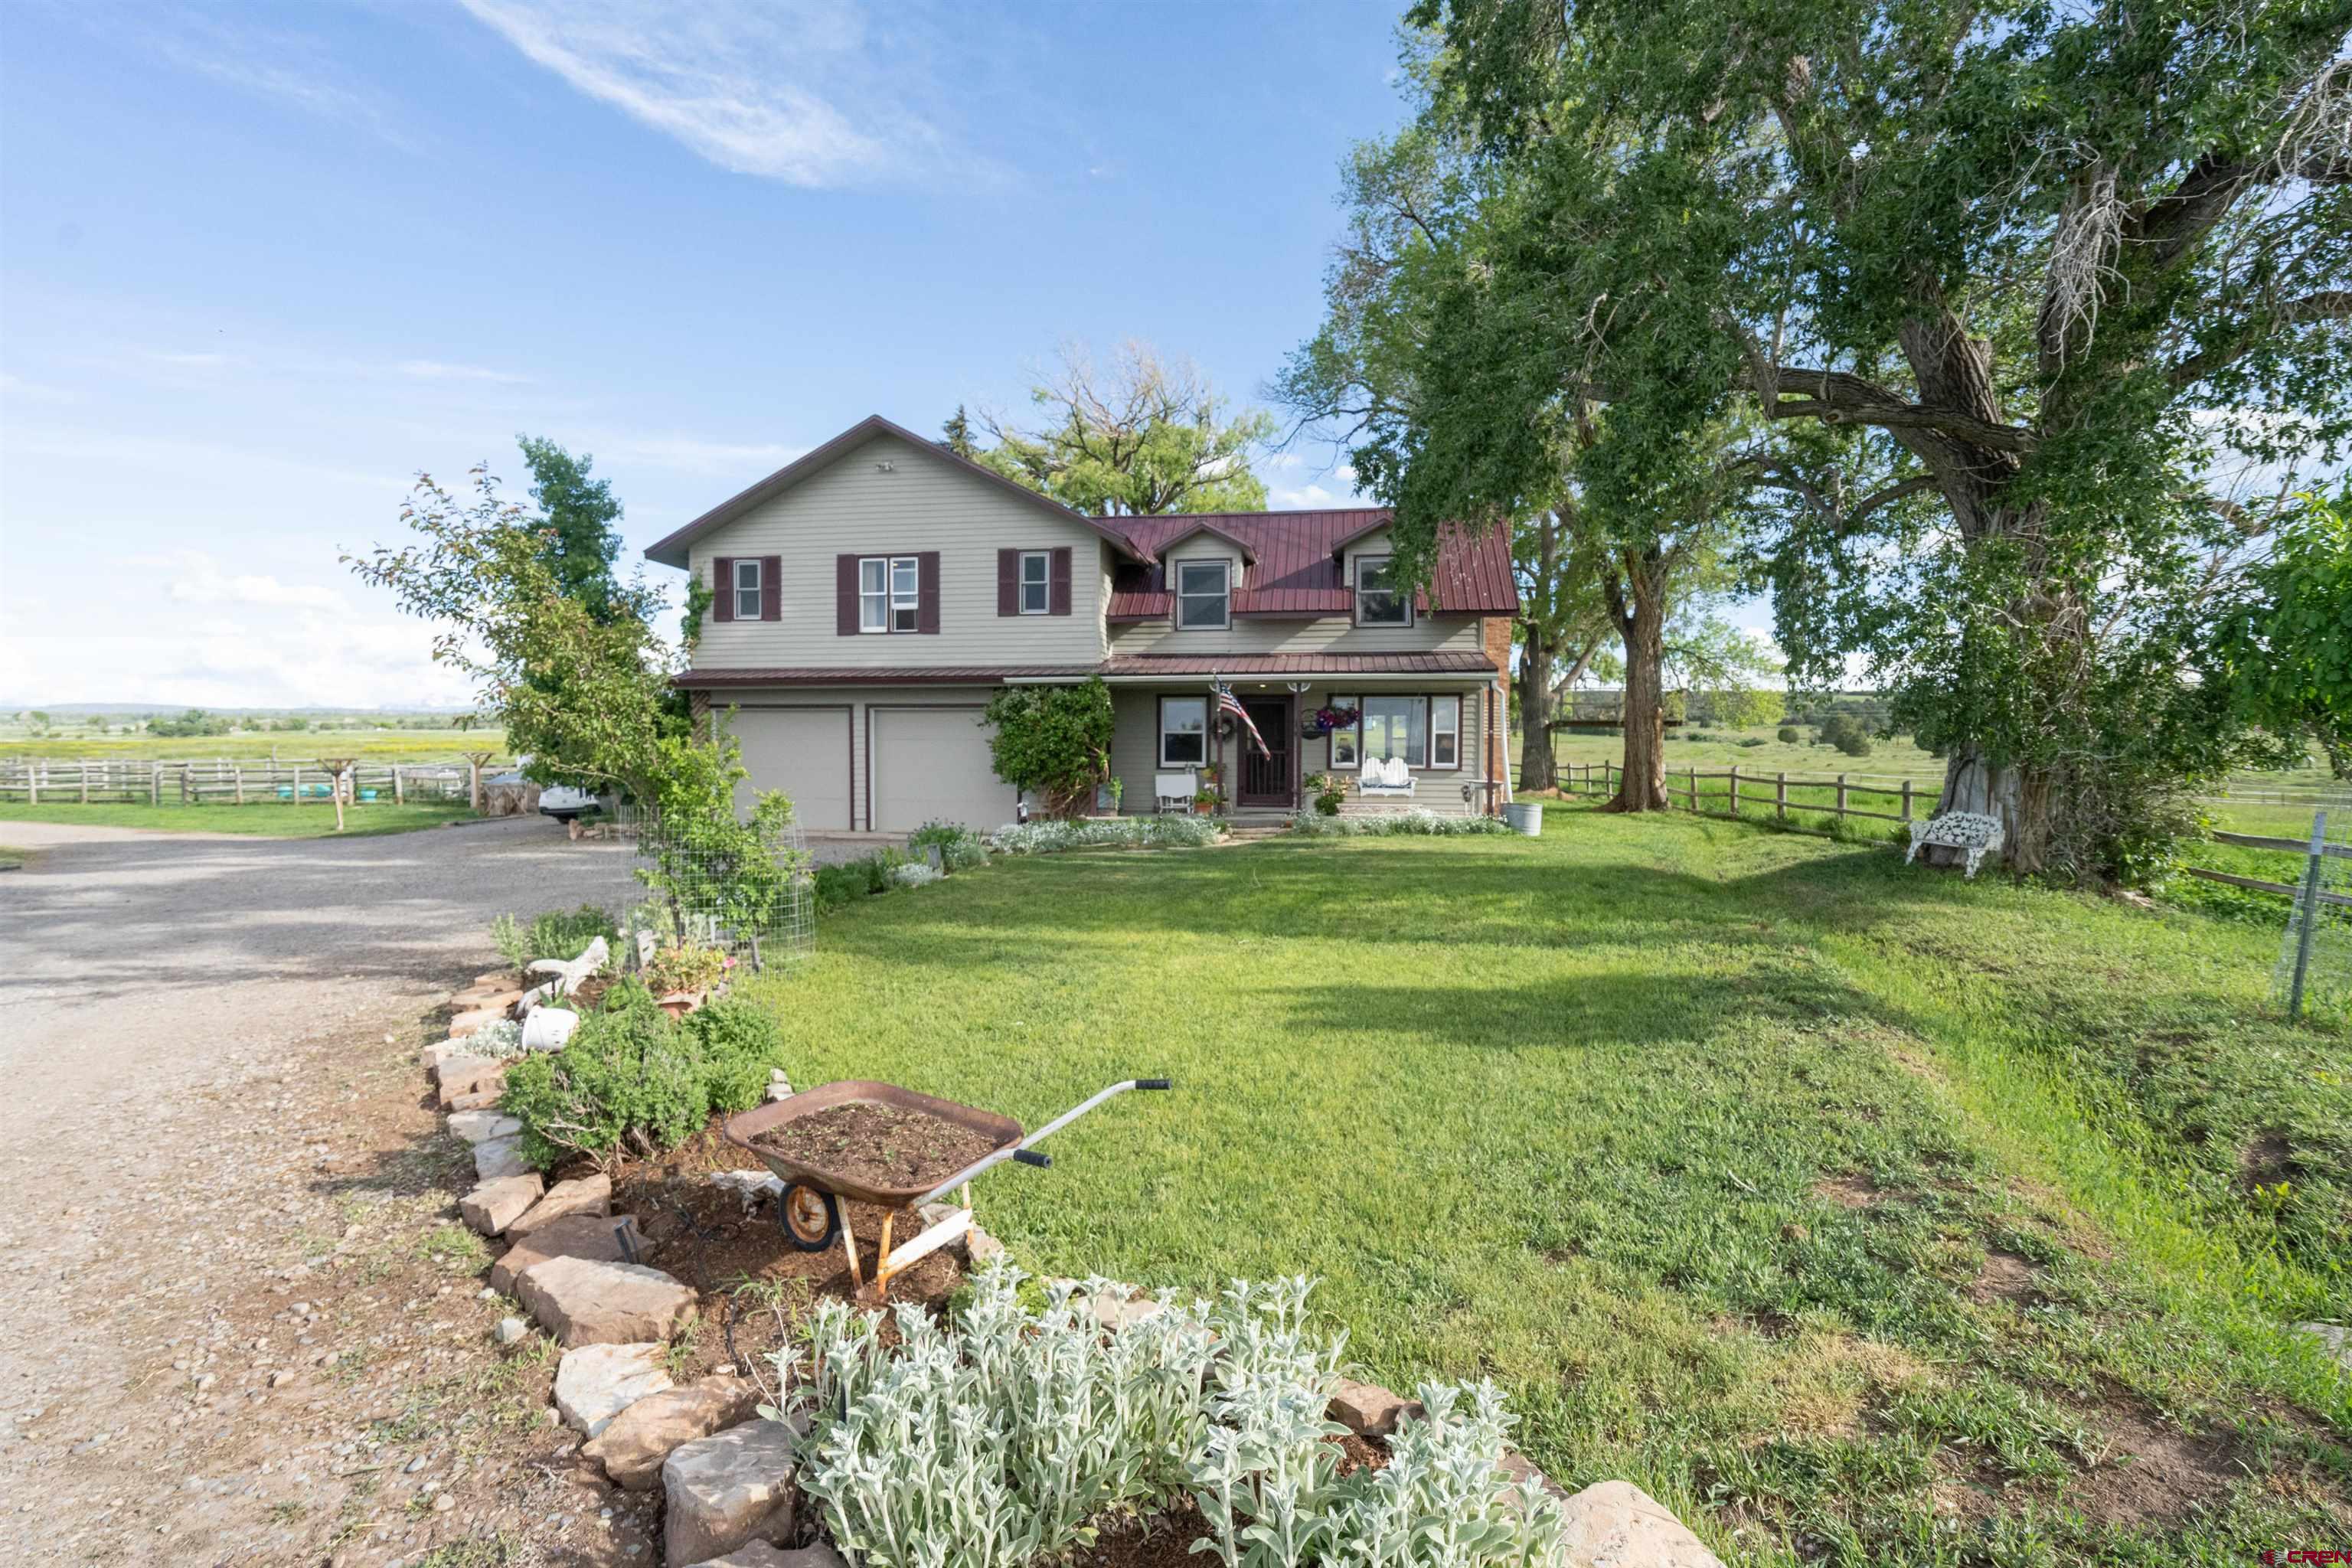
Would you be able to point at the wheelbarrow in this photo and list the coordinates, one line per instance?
(810, 1210)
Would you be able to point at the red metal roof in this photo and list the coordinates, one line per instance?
(1299, 664)
(1296, 571)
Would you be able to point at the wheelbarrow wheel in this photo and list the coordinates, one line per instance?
(811, 1220)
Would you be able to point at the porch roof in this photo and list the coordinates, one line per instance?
(1121, 668)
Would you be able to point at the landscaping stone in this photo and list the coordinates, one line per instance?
(595, 1382)
(726, 1491)
(464, 1077)
(573, 1236)
(481, 1099)
(486, 999)
(481, 1126)
(590, 1195)
(1616, 1524)
(2335, 1337)
(509, 1330)
(439, 1052)
(981, 1248)
(499, 1157)
(778, 1086)
(1369, 1410)
(464, 1024)
(632, 1447)
(759, 1554)
(496, 980)
(588, 1301)
(749, 1185)
(493, 1205)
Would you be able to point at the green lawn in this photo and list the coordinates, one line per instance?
(1858, 1214)
(276, 819)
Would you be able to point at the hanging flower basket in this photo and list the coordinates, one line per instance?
(1329, 719)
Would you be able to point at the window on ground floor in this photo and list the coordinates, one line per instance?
(1346, 744)
(1445, 732)
(1397, 727)
(1183, 731)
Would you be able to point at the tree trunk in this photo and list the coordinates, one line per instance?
(1537, 768)
(1643, 625)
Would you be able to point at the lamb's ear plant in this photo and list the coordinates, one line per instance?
(1001, 1439)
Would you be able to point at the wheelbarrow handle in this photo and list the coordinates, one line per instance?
(1031, 1157)
(1025, 1151)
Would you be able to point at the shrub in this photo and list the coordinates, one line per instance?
(840, 885)
(1129, 832)
(993, 1440)
(915, 874)
(1752, 740)
(961, 848)
(687, 966)
(1326, 791)
(1790, 735)
(632, 1081)
(1054, 740)
(1418, 822)
(557, 934)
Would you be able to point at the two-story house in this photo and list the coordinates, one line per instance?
(868, 598)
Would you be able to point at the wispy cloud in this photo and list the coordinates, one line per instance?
(440, 370)
(15, 388)
(686, 454)
(287, 68)
(197, 579)
(800, 91)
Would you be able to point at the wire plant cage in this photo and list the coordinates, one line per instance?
(746, 888)
(2314, 966)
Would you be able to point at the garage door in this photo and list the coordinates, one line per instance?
(934, 764)
(802, 752)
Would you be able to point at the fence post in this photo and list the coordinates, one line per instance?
(1694, 788)
(1780, 796)
(397, 798)
(1840, 794)
(2311, 884)
(239, 770)
(84, 784)
(156, 785)
(32, 783)
(1735, 789)
(1907, 800)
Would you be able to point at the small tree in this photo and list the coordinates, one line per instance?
(1054, 740)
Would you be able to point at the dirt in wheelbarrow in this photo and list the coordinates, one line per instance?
(754, 1285)
(878, 1146)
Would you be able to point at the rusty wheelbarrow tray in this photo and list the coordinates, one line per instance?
(810, 1209)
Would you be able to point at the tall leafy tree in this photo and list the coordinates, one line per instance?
(2284, 654)
(1137, 435)
(2046, 269)
(581, 539)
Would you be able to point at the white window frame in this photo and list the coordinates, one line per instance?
(1352, 737)
(1202, 734)
(1445, 724)
(1224, 594)
(879, 608)
(739, 589)
(1043, 583)
(1364, 745)
(1404, 600)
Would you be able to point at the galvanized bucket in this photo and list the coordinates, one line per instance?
(1525, 817)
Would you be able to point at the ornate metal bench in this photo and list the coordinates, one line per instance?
(1974, 832)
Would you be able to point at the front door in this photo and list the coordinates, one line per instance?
(1266, 775)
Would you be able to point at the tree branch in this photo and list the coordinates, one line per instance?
(2326, 305)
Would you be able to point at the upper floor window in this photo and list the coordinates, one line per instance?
(1203, 597)
(746, 589)
(889, 593)
(1037, 582)
(1378, 602)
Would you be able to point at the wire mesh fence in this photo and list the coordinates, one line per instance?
(2314, 966)
(747, 887)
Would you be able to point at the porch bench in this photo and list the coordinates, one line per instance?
(1384, 780)
(1972, 831)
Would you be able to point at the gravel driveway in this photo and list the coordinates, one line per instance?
(209, 1055)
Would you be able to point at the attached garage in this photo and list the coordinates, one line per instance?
(803, 751)
(932, 763)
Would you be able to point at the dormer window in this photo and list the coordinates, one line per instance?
(1203, 595)
(1378, 602)
(746, 588)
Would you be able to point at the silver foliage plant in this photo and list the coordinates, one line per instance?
(1000, 1440)
(1420, 821)
(1099, 832)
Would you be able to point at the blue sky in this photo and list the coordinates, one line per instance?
(260, 265)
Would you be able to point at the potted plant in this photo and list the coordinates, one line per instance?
(1204, 803)
(682, 976)
(1326, 791)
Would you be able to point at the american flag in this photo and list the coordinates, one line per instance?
(1228, 704)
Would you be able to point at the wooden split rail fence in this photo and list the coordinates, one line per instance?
(228, 780)
(1744, 792)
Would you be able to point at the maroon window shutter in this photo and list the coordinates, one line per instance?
(722, 584)
(772, 588)
(1008, 581)
(844, 595)
(1061, 593)
(927, 591)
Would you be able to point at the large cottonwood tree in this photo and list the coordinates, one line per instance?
(2048, 271)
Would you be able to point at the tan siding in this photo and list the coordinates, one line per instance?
(919, 505)
(1327, 634)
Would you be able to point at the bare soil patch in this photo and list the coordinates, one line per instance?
(878, 1146)
(1849, 1192)
(2005, 1277)
(2150, 1472)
